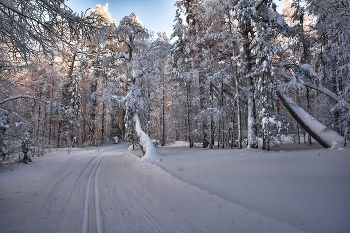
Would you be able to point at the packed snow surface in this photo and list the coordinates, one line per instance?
(109, 189)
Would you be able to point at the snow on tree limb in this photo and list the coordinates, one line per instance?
(151, 152)
(17, 97)
(329, 93)
(259, 3)
(27, 97)
(25, 25)
(322, 89)
(326, 137)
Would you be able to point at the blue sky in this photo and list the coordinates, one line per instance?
(154, 14)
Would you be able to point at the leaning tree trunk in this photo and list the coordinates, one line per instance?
(145, 141)
(326, 137)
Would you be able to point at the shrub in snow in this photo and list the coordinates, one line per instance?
(26, 149)
(116, 140)
(306, 69)
(4, 120)
(272, 128)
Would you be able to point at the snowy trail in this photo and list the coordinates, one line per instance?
(109, 190)
(72, 195)
(86, 191)
(133, 208)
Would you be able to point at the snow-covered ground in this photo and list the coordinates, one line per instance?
(190, 190)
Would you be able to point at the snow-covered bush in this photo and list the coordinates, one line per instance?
(4, 120)
(26, 149)
(116, 140)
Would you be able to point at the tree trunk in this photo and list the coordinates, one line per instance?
(162, 140)
(309, 111)
(327, 138)
(252, 130)
(202, 94)
(93, 89)
(212, 124)
(221, 138)
(103, 130)
(252, 139)
(123, 122)
(202, 106)
(188, 89)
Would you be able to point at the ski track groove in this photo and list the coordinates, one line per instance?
(98, 213)
(148, 217)
(92, 194)
(154, 224)
(85, 221)
(72, 195)
(120, 202)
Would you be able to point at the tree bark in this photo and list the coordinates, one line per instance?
(188, 89)
(202, 106)
(93, 89)
(252, 130)
(162, 140)
(212, 124)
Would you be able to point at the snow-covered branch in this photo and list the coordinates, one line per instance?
(31, 98)
(259, 3)
(25, 25)
(329, 93)
(321, 89)
(17, 97)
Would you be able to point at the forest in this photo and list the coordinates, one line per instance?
(233, 74)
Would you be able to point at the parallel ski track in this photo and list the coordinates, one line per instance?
(64, 220)
(155, 227)
(98, 217)
(97, 209)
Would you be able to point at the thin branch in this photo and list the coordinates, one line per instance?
(258, 4)
(323, 90)
(17, 97)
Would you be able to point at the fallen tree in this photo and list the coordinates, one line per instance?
(323, 135)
